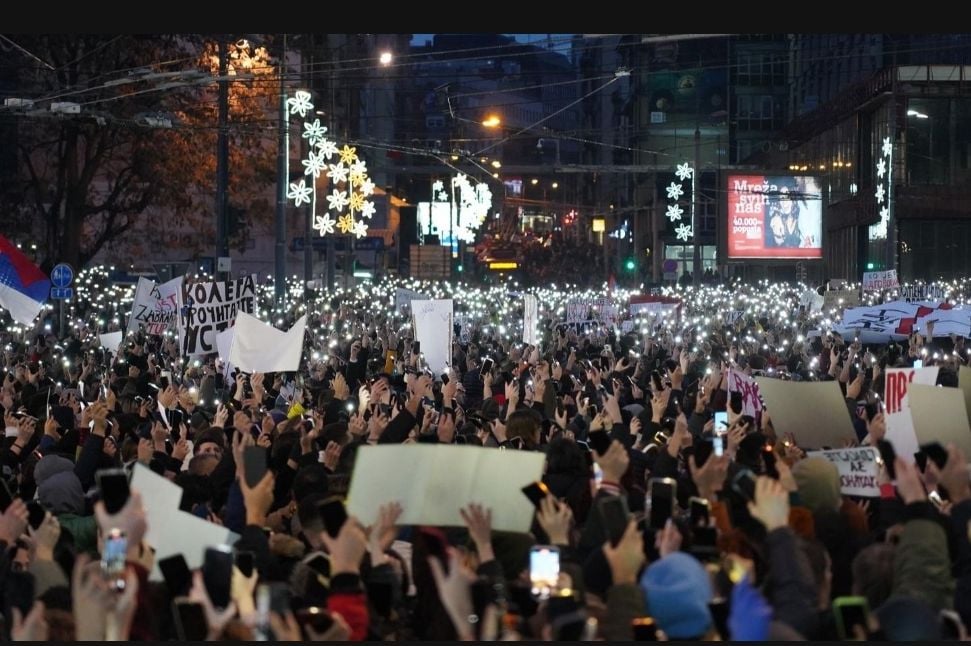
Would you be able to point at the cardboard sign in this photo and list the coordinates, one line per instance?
(858, 469)
(739, 382)
(879, 280)
(206, 309)
(814, 412)
(433, 329)
(900, 425)
(434, 481)
(939, 415)
(156, 307)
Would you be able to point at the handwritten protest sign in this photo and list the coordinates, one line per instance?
(156, 307)
(208, 308)
(739, 382)
(858, 469)
(900, 424)
(877, 280)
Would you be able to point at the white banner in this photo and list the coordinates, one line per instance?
(858, 470)
(259, 347)
(432, 482)
(111, 341)
(156, 307)
(900, 424)
(877, 280)
(739, 382)
(603, 309)
(433, 330)
(206, 309)
(897, 320)
(530, 319)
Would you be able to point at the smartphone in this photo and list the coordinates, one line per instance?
(614, 515)
(952, 628)
(144, 430)
(178, 577)
(699, 512)
(918, 363)
(316, 618)
(165, 378)
(703, 451)
(190, 620)
(113, 485)
(6, 497)
(487, 364)
(656, 382)
(721, 421)
(719, 615)
(744, 485)
(544, 570)
(18, 591)
(334, 515)
(645, 629)
(599, 441)
(36, 513)
(444, 378)
(217, 574)
(416, 347)
(850, 613)
(244, 562)
(936, 452)
(661, 493)
(436, 544)
(536, 491)
(113, 558)
(254, 464)
(280, 596)
(888, 455)
(719, 443)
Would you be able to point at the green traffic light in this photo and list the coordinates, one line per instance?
(870, 265)
(630, 264)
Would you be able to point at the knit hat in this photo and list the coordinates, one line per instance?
(819, 484)
(58, 488)
(678, 590)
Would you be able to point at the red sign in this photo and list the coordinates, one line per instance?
(777, 216)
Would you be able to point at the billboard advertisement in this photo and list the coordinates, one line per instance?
(775, 217)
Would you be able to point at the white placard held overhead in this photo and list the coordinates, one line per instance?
(433, 330)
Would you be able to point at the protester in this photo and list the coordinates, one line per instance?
(667, 521)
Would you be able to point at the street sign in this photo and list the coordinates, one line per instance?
(62, 293)
(62, 275)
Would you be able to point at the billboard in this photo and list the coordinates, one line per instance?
(774, 217)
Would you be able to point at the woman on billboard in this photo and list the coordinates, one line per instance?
(784, 210)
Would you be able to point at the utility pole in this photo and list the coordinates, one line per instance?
(331, 247)
(695, 203)
(308, 251)
(283, 171)
(222, 159)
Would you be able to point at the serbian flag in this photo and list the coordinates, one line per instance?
(23, 286)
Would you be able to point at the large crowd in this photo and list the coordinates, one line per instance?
(663, 511)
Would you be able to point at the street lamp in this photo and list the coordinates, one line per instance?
(386, 58)
(492, 121)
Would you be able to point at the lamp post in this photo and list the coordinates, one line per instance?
(280, 230)
(222, 158)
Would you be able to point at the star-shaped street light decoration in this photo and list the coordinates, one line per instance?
(674, 212)
(674, 191)
(887, 147)
(881, 168)
(683, 232)
(879, 193)
(684, 171)
(300, 193)
(885, 214)
(438, 185)
(300, 103)
(349, 182)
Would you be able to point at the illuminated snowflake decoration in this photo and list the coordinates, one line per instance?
(882, 194)
(684, 171)
(674, 211)
(348, 206)
(300, 103)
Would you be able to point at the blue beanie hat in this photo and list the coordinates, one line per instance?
(678, 589)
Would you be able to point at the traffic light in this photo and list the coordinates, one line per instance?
(630, 264)
(870, 265)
